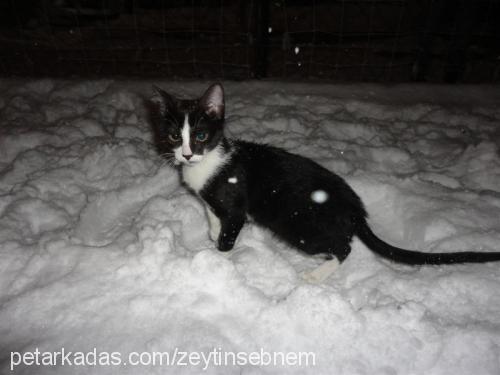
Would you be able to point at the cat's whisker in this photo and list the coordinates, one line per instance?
(167, 158)
(167, 154)
(167, 162)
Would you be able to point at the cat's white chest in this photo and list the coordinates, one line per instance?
(196, 176)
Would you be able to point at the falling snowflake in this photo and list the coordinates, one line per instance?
(319, 196)
(297, 50)
(232, 180)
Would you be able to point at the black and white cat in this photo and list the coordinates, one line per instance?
(302, 203)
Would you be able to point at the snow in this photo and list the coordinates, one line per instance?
(101, 247)
(319, 196)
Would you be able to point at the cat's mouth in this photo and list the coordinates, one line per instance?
(195, 159)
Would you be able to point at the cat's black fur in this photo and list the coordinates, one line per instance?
(274, 188)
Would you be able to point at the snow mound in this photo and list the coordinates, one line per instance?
(101, 247)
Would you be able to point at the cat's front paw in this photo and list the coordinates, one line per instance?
(224, 244)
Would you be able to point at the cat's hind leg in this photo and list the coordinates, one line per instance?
(335, 258)
(322, 272)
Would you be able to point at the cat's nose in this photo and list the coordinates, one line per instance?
(188, 156)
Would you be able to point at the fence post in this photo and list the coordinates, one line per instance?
(261, 38)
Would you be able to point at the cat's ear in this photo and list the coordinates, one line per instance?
(163, 100)
(212, 102)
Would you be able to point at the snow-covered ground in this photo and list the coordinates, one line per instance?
(100, 246)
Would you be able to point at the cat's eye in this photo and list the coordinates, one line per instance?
(173, 137)
(201, 136)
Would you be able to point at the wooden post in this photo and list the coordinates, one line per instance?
(261, 38)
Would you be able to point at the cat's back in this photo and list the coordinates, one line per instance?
(275, 175)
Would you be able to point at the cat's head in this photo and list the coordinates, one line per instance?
(189, 129)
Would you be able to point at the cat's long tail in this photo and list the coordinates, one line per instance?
(416, 257)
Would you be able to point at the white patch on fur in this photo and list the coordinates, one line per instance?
(322, 272)
(197, 175)
(178, 155)
(319, 196)
(213, 223)
(196, 158)
(185, 133)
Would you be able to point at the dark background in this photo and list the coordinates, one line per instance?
(348, 40)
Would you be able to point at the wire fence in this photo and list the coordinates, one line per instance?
(343, 40)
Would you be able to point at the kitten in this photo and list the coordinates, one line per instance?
(302, 203)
